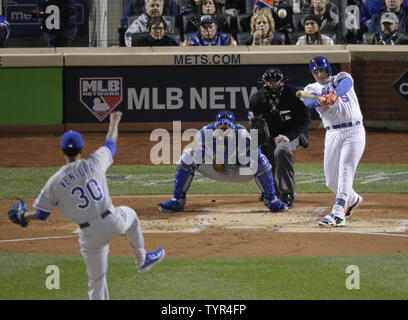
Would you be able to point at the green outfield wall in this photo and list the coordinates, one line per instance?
(31, 96)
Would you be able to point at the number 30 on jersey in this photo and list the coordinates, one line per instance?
(91, 192)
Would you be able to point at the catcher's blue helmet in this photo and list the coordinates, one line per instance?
(225, 119)
(320, 62)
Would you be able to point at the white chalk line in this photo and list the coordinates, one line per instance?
(40, 238)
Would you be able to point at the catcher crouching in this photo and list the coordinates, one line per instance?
(225, 153)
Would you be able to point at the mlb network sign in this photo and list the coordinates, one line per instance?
(101, 95)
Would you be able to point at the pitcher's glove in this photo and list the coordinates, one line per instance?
(16, 213)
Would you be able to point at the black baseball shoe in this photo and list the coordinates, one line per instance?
(288, 199)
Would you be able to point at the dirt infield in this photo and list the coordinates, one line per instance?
(220, 225)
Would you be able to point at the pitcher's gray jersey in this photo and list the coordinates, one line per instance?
(79, 189)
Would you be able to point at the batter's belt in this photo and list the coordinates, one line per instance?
(344, 125)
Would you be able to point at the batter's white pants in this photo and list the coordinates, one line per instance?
(342, 153)
(94, 244)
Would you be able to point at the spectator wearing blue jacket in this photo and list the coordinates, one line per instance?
(4, 31)
(208, 35)
(372, 10)
(136, 7)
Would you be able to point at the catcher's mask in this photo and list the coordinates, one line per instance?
(272, 81)
(320, 62)
(224, 120)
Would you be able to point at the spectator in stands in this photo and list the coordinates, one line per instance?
(233, 8)
(208, 7)
(370, 8)
(153, 8)
(305, 7)
(156, 37)
(68, 29)
(389, 33)
(136, 8)
(189, 6)
(313, 35)
(262, 29)
(208, 34)
(4, 31)
(394, 6)
(329, 20)
(246, 23)
(282, 14)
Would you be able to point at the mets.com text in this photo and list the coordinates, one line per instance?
(206, 59)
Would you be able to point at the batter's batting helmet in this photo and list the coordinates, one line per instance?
(320, 62)
(225, 119)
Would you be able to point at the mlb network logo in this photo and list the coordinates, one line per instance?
(101, 95)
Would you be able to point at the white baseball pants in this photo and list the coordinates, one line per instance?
(342, 153)
(94, 244)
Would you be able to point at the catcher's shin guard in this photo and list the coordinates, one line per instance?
(264, 180)
(182, 182)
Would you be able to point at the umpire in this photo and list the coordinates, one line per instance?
(282, 121)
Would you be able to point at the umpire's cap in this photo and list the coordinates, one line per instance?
(71, 140)
(320, 62)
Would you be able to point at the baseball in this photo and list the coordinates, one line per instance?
(282, 13)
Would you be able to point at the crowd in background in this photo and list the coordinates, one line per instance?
(257, 22)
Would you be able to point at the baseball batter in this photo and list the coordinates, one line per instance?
(345, 136)
(80, 191)
(224, 147)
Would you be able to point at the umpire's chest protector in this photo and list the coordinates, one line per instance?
(281, 114)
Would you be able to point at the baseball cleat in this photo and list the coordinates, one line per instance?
(277, 206)
(331, 220)
(152, 258)
(349, 211)
(172, 205)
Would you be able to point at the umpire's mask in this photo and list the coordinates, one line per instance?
(272, 81)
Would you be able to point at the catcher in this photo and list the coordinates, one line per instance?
(222, 147)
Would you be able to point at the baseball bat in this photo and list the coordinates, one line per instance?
(303, 94)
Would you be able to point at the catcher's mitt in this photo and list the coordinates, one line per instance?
(264, 137)
(16, 213)
(219, 167)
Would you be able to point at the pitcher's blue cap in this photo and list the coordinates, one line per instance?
(71, 139)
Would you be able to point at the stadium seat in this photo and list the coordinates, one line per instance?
(297, 19)
(294, 36)
(241, 17)
(249, 6)
(242, 38)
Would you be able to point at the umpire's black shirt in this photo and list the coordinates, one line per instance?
(289, 118)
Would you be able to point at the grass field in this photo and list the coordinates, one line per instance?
(265, 278)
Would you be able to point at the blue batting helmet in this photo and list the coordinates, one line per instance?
(320, 62)
(225, 119)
